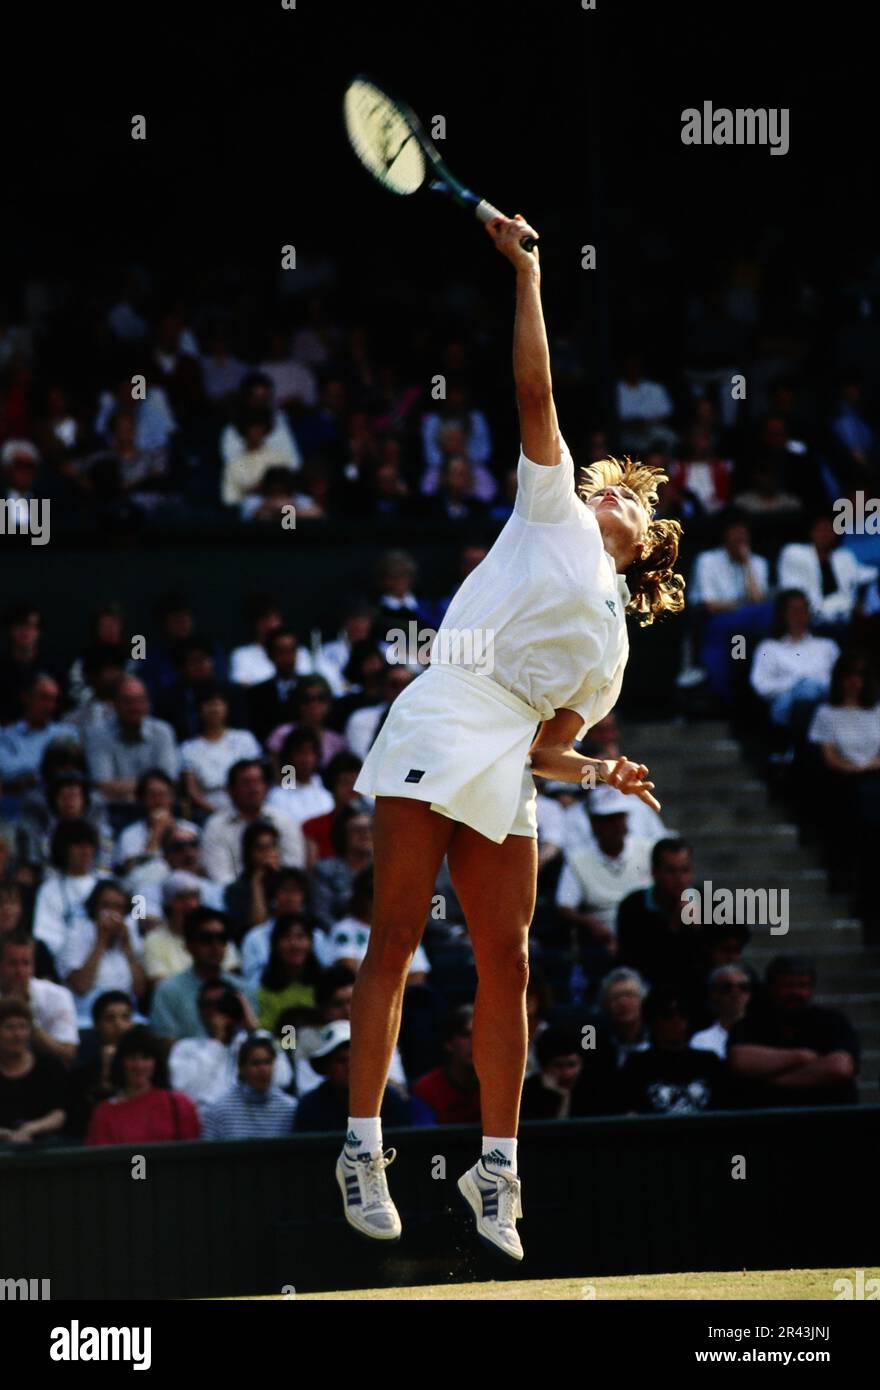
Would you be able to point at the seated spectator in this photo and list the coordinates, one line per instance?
(301, 794)
(396, 603)
(125, 470)
(788, 1050)
(33, 1087)
(363, 675)
(72, 877)
(457, 428)
(333, 879)
(222, 847)
(254, 1107)
(456, 496)
(827, 573)
(222, 372)
(23, 744)
(728, 595)
(245, 900)
(250, 664)
(206, 760)
(67, 797)
(293, 383)
(288, 979)
(12, 917)
(350, 936)
(181, 853)
(594, 881)
(134, 743)
(621, 1002)
(160, 668)
(339, 777)
(326, 1108)
(206, 1068)
(651, 936)
(547, 1095)
(730, 991)
(256, 395)
(272, 702)
(356, 626)
(165, 949)
(195, 660)
(539, 1003)
(276, 499)
(603, 741)
(175, 1006)
(792, 668)
(19, 469)
(452, 1091)
(312, 701)
(644, 409)
(286, 893)
(700, 473)
(855, 437)
(141, 841)
(143, 1109)
(765, 496)
(333, 994)
(53, 1011)
(244, 471)
(670, 1078)
(20, 659)
(90, 1083)
(102, 950)
(364, 724)
(472, 552)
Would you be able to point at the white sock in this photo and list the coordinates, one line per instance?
(363, 1136)
(499, 1153)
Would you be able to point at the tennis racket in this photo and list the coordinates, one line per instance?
(388, 139)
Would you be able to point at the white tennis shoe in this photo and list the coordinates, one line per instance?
(495, 1198)
(364, 1187)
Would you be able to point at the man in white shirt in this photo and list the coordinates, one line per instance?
(52, 1006)
(643, 407)
(221, 842)
(792, 671)
(728, 594)
(596, 879)
(828, 573)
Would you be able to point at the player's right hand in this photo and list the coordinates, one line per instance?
(507, 232)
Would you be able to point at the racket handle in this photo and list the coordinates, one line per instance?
(487, 213)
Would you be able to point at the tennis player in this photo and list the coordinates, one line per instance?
(536, 634)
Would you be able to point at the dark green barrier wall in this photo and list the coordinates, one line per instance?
(600, 1197)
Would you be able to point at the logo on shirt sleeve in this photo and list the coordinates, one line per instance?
(609, 603)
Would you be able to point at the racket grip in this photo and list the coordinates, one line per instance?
(487, 213)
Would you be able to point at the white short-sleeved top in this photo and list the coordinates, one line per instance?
(551, 600)
(855, 733)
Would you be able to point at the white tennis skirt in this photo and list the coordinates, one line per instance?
(459, 741)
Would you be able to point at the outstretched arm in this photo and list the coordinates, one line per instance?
(539, 428)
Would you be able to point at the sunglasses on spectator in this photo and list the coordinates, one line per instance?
(210, 938)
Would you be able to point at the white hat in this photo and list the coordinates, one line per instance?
(331, 1037)
(607, 801)
(19, 448)
(180, 882)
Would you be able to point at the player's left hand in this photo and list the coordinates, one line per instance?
(631, 779)
(507, 233)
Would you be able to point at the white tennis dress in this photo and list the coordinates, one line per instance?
(537, 627)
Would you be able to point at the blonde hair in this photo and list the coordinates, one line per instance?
(653, 584)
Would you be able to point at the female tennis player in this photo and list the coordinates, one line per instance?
(536, 634)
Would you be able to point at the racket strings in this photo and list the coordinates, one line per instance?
(382, 139)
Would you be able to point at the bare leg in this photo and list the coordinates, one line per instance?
(496, 885)
(410, 841)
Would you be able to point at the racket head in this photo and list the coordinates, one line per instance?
(385, 135)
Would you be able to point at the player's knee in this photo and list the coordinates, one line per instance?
(392, 946)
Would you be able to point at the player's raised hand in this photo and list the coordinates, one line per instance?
(507, 233)
(630, 778)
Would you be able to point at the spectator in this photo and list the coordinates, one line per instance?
(244, 471)
(854, 435)
(165, 949)
(272, 701)
(456, 428)
(133, 744)
(53, 1012)
(729, 993)
(846, 732)
(33, 1087)
(643, 409)
(594, 881)
(275, 498)
(222, 372)
(452, 1091)
(67, 797)
(293, 382)
(621, 1001)
(90, 1082)
(339, 778)
(357, 624)
(670, 1078)
(143, 1110)
(62, 894)
(255, 394)
(254, 1107)
(250, 664)
(222, 847)
(827, 573)
(456, 498)
(301, 795)
(206, 1068)
(175, 1007)
(141, 841)
(287, 894)
(312, 700)
(765, 497)
(700, 473)
(651, 937)
(350, 937)
(178, 703)
(23, 744)
(364, 724)
(539, 1002)
(102, 950)
(93, 681)
(547, 1095)
(333, 879)
(728, 596)
(288, 980)
(20, 661)
(397, 604)
(326, 1107)
(206, 760)
(181, 853)
(789, 1051)
(246, 899)
(792, 668)
(12, 920)
(363, 675)
(125, 470)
